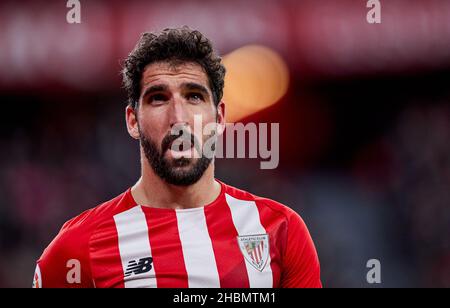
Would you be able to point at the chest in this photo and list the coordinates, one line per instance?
(191, 249)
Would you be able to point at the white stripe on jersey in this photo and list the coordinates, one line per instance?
(134, 245)
(197, 249)
(247, 222)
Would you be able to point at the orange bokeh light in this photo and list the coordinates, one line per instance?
(257, 77)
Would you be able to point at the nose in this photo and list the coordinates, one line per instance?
(178, 113)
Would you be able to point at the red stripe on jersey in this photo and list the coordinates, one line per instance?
(259, 253)
(167, 253)
(275, 224)
(229, 258)
(105, 257)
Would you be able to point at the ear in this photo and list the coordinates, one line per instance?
(221, 118)
(132, 122)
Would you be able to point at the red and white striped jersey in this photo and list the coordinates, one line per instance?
(238, 241)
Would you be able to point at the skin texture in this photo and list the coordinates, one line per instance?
(171, 95)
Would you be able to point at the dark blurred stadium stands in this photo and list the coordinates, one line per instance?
(364, 127)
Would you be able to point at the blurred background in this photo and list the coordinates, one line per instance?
(363, 109)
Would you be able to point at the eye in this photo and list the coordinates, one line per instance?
(195, 97)
(157, 98)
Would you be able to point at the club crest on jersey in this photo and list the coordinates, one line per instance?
(255, 249)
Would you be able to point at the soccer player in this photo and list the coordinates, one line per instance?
(178, 226)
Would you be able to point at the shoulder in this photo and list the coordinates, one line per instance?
(99, 213)
(292, 240)
(236, 195)
(270, 211)
(74, 235)
(66, 261)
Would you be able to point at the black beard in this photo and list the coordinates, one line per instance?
(167, 170)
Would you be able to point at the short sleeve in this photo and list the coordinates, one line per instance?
(301, 268)
(64, 263)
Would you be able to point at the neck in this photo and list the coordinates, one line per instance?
(151, 190)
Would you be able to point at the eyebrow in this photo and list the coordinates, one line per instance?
(155, 88)
(196, 87)
(188, 85)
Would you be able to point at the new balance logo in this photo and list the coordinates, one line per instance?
(142, 266)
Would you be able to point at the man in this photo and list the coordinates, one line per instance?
(178, 226)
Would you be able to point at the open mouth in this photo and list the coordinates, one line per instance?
(181, 145)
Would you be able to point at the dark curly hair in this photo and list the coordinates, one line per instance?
(172, 45)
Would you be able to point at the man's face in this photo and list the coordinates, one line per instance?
(171, 96)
